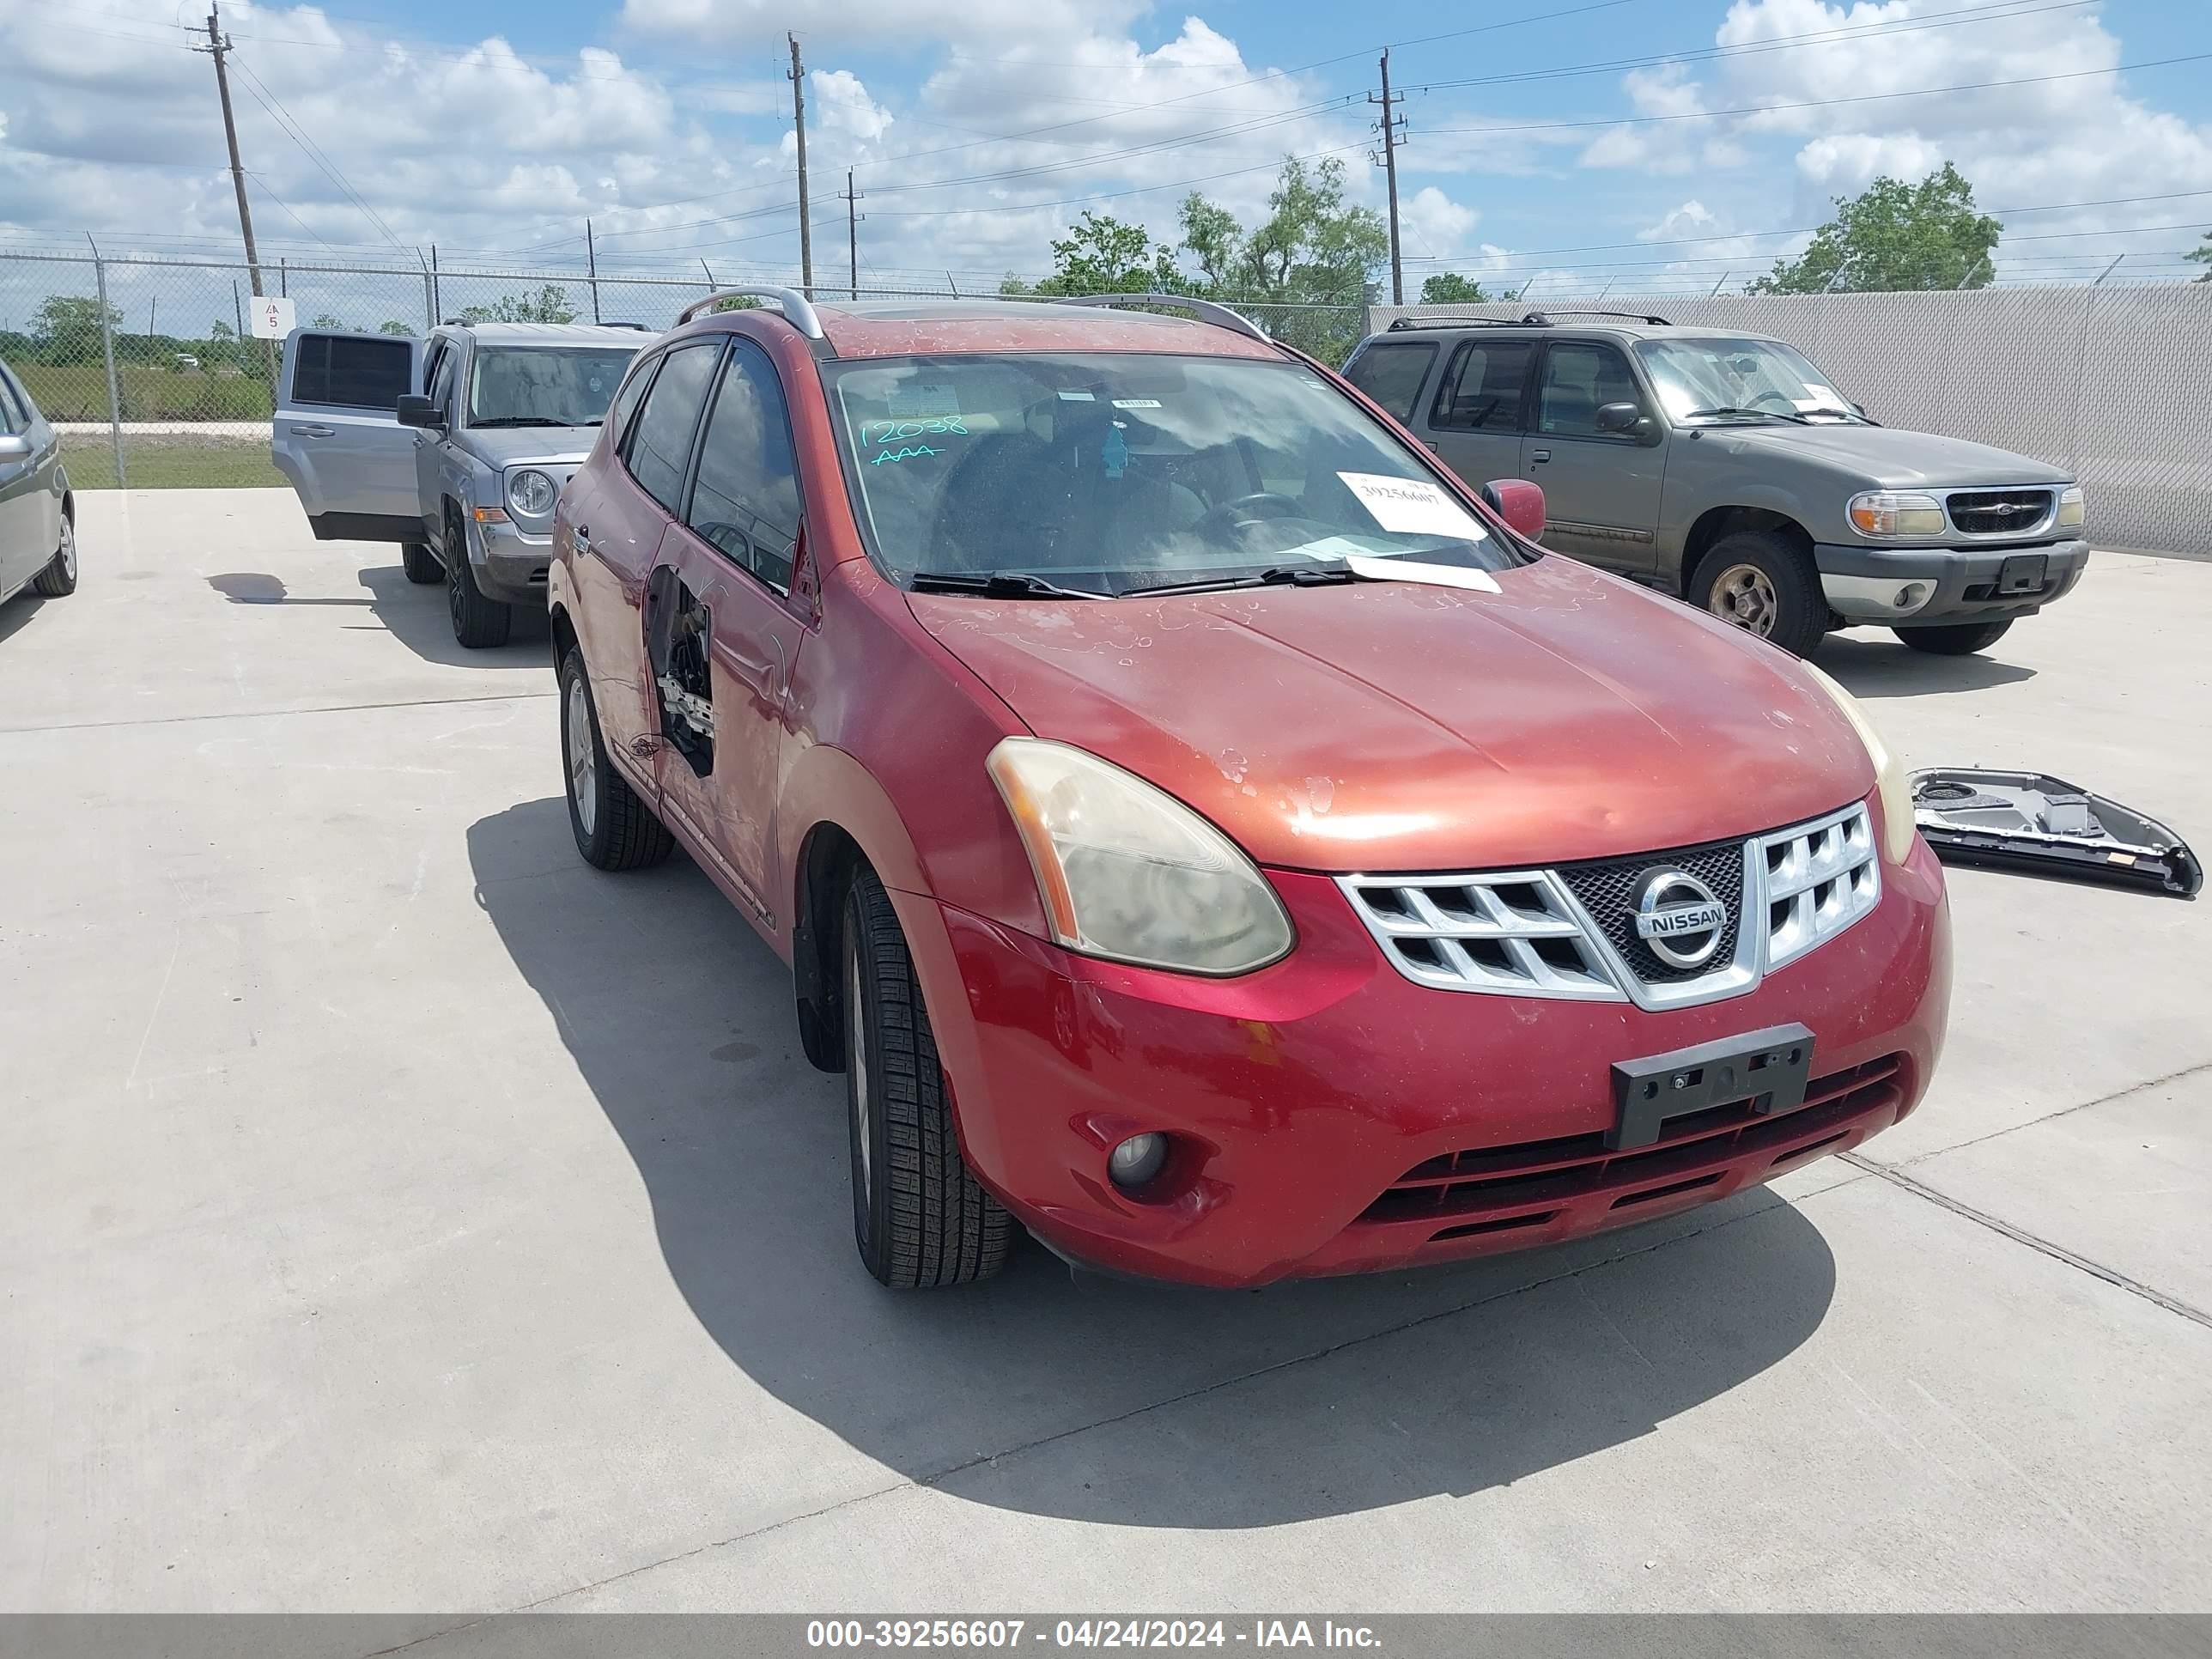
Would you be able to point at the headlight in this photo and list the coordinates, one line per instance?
(1896, 512)
(1127, 871)
(2071, 508)
(1892, 782)
(531, 493)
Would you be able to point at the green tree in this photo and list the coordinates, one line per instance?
(1313, 249)
(65, 329)
(1213, 239)
(1894, 235)
(1449, 288)
(324, 319)
(549, 304)
(393, 325)
(1101, 254)
(2201, 254)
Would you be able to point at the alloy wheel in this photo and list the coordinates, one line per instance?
(583, 762)
(68, 550)
(1744, 594)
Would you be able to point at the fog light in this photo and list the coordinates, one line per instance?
(1137, 1160)
(1910, 595)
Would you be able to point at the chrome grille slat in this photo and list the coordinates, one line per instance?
(1534, 932)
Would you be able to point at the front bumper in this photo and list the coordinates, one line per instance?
(1956, 584)
(510, 564)
(1335, 1117)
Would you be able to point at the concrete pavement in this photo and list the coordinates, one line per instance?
(396, 1214)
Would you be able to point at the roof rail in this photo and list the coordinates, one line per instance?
(1398, 323)
(1571, 311)
(798, 310)
(1204, 310)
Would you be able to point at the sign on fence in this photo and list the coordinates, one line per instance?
(269, 318)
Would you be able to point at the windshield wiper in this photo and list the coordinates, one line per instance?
(1842, 414)
(528, 420)
(996, 585)
(1763, 414)
(1318, 574)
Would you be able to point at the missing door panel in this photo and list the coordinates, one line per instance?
(679, 632)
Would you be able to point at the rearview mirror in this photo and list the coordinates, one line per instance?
(1519, 503)
(15, 447)
(1619, 417)
(415, 409)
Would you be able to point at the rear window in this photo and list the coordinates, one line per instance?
(1392, 373)
(351, 373)
(1481, 392)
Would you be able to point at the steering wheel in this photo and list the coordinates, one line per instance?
(1245, 511)
(1777, 396)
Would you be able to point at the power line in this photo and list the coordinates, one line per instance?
(285, 119)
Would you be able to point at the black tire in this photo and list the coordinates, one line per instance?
(479, 622)
(1957, 640)
(59, 579)
(1789, 609)
(614, 828)
(920, 1219)
(421, 564)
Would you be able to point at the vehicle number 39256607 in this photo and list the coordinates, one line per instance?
(986, 1633)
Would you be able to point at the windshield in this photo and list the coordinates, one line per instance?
(1700, 381)
(1113, 473)
(544, 385)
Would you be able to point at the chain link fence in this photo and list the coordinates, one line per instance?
(156, 353)
(2109, 383)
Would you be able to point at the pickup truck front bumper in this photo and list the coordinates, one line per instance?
(1906, 586)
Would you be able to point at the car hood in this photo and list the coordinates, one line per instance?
(1891, 455)
(1394, 726)
(515, 445)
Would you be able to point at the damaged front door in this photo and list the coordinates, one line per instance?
(721, 631)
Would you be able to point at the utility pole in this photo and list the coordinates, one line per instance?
(218, 44)
(853, 234)
(1392, 127)
(798, 126)
(592, 259)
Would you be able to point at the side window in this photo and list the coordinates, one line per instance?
(1580, 378)
(626, 400)
(1481, 389)
(1391, 374)
(14, 414)
(661, 446)
(351, 373)
(746, 499)
(442, 379)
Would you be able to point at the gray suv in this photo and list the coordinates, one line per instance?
(455, 447)
(1727, 469)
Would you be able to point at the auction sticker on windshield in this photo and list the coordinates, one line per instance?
(1412, 507)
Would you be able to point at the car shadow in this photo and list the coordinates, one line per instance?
(415, 615)
(15, 613)
(1201, 1408)
(1874, 667)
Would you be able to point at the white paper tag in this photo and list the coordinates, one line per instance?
(917, 399)
(1077, 398)
(1433, 576)
(1413, 507)
(1136, 402)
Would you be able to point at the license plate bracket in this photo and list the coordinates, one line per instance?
(2024, 572)
(1770, 1068)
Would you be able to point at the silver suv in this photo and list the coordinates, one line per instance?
(1727, 469)
(455, 447)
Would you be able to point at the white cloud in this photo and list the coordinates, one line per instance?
(837, 22)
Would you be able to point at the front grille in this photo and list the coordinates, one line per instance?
(1998, 512)
(1818, 881)
(1571, 932)
(1608, 889)
(1499, 1188)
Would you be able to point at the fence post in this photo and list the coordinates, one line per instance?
(107, 351)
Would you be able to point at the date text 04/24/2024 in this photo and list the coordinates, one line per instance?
(985, 1634)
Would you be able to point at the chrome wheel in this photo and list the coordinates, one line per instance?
(66, 553)
(856, 1025)
(583, 760)
(1744, 594)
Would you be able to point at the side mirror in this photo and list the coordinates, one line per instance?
(1520, 503)
(15, 447)
(415, 409)
(1619, 417)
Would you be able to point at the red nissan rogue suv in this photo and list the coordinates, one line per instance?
(1200, 828)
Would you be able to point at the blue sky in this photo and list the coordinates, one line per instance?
(1579, 143)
